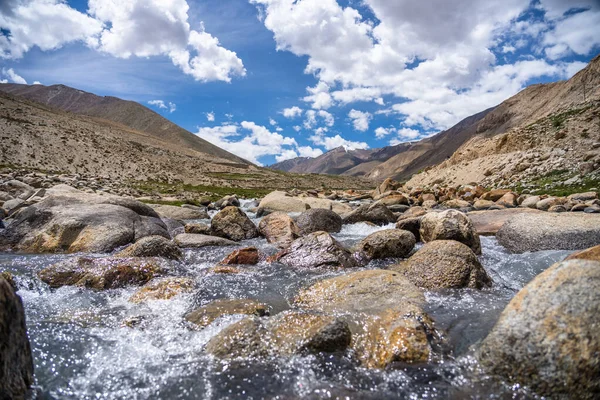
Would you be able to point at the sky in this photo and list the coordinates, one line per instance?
(271, 80)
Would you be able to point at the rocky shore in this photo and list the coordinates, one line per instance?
(374, 314)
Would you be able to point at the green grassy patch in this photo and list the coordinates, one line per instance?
(177, 203)
(234, 176)
(212, 192)
(552, 184)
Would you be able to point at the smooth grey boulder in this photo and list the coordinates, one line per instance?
(548, 337)
(450, 225)
(16, 360)
(179, 213)
(195, 240)
(319, 219)
(550, 231)
(386, 244)
(152, 246)
(232, 223)
(316, 250)
(376, 213)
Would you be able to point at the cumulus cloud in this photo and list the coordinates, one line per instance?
(320, 138)
(210, 116)
(311, 119)
(360, 119)
(286, 155)
(292, 112)
(11, 76)
(141, 28)
(160, 104)
(249, 141)
(307, 151)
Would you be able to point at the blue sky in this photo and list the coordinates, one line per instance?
(274, 79)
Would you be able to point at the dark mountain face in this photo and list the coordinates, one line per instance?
(128, 113)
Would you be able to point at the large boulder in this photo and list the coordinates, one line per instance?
(281, 201)
(205, 315)
(316, 250)
(152, 246)
(102, 273)
(386, 244)
(548, 336)
(226, 202)
(196, 241)
(179, 213)
(80, 222)
(232, 223)
(16, 361)
(550, 231)
(494, 195)
(279, 229)
(450, 225)
(319, 219)
(376, 213)
(162, 289)
(444, 264)
(411, 224)
(488, 223)
(592, 254)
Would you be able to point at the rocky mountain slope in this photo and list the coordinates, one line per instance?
(38, 137)
(547, 136)
(127, 113)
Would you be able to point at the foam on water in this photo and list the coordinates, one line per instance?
(82, 350)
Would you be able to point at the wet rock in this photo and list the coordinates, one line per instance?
(487, 223)
(152, 246)
(376, 213)
(205, 315)
(174, 226)
(279, 229)
(232, 223)
(16, 361)
(247, 256)
(201, 229)
(102, 273)
(411, 224)
(226, 202)
(248, 338)
(316, 250)
(592, 254)
(224, 269)
(550, 231)
(547, 337)
(179, 213)
(162, 289)
(386, 244)
(369, 292)
(194, 241)
(319, 219)
(450, 225)
(80, 222)
(444, 264)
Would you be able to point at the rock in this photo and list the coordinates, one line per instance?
(386, 244)
(174, 226)
(487, 223)
(444, 264)
(369, 292)
(483, 204)
(335, 206)
(226, 202)
(5, 196)
(583, 196)
(13, 205)
(79, 222)
(450, 225)
(152, 246)
(248, 338)
(376, 213)
(411, 224)
(557, 208)
(456, 203)
(17, 188)
(394, 199)
(398, 208)
(16, 360)
(179, 213)
(594, 209)
(386, 186)
(592, 254)
(547, 337)
(586, 168)
(280, 201)
(319, 219)
(232, 223)
(545, 204)
(316, 250)
(429, 204)
(494, 195)
(162, 289)
(279, 229)
(247, 256)
(205, 315)
(550, 231)
(508, 200)
(102, 273)
(579, 207)
(224, 269)
(201, 229)
(194, 241)
(531, 202)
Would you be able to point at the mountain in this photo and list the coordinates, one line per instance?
(127, 113)
(547, 134)
(38, 136)
(399, 161)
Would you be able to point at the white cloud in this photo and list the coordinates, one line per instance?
(286, 155)
(297, 128)
(292, 112)
(171, 107)
(272, 122)
(12, 76)
(383, 132)
(210, 116)
(257, 141)
(37, 83)
(307, 151)
(360, 119)
(311, 118)
(319, 138)
(141, 28)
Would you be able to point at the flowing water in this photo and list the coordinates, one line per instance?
(82, 350)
